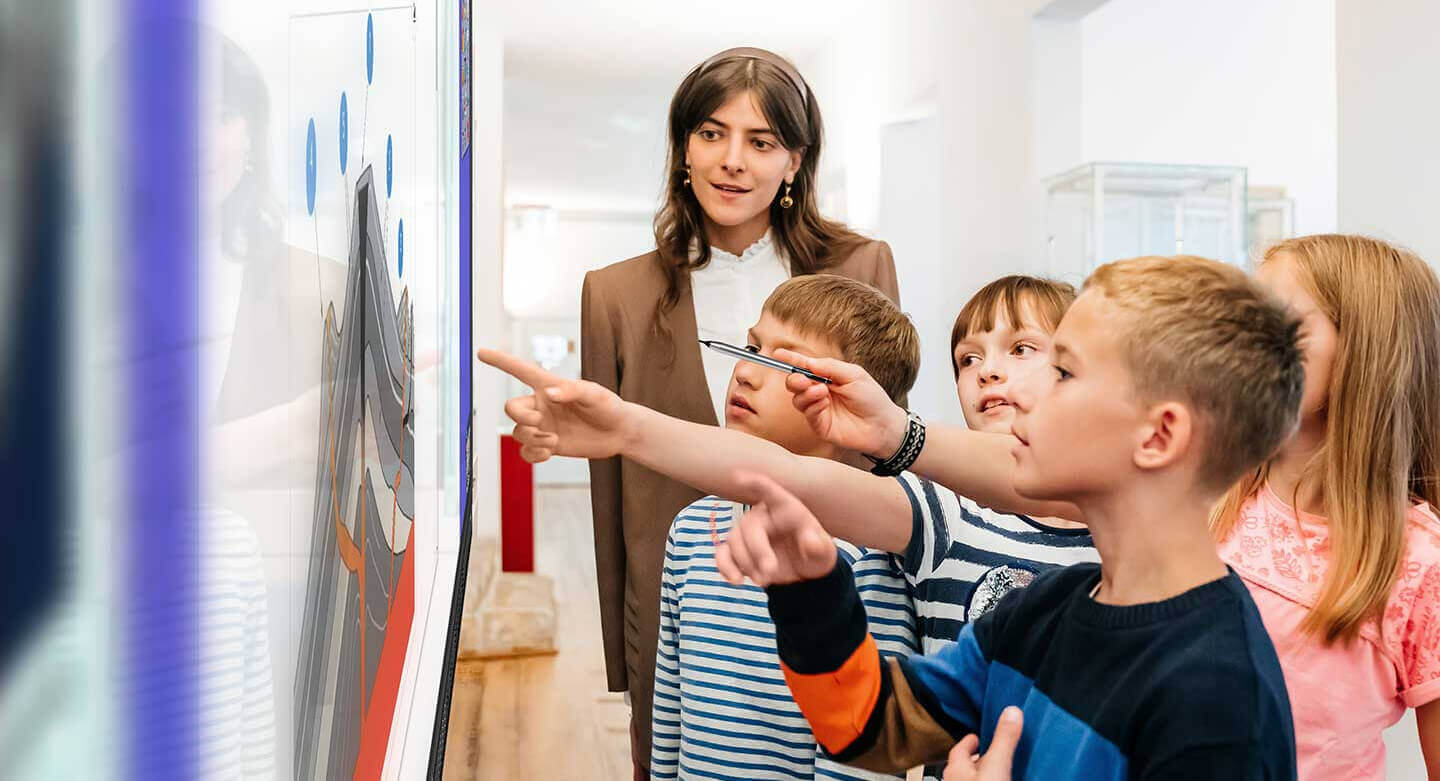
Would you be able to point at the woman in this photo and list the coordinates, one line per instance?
(739, 217)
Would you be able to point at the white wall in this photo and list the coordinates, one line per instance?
(929, 113)
(1057, 89)
(577, 140)
(879, 68)
(911, 213)
(987, 112)
(548, 251)
(1241, 82)
(1388, 66)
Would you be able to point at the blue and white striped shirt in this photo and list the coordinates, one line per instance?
(963, 557)
(722, 707)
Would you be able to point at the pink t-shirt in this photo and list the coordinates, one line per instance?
(1342, 695)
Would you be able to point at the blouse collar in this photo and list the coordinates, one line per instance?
(762, 246)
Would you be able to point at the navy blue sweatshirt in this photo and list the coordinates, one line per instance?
(1184, 688)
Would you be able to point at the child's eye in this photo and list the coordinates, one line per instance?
(1062, 374)
(969, 360)
(1023, 349)
(752, 348)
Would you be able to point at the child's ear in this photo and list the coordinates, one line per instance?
(1165, 436)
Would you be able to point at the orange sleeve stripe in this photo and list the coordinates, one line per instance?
(838, 704)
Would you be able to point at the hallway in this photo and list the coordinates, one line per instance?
(546, 717)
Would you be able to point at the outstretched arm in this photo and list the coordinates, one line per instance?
(854, 412)
(582, 419)
(879, 714)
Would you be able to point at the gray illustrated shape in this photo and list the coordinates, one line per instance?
(368, 382)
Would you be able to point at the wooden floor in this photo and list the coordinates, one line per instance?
(546, 717)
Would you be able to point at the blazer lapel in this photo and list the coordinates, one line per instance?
(689, 371)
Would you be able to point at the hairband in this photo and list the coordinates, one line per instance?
(750, 52)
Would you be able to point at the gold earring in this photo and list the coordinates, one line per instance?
(786, 201)
(686, 183)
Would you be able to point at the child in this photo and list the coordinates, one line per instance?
(959, 555)
(1207, 332)
(961, 558)
(1153, 664)
(1336, 535)
(721, 704)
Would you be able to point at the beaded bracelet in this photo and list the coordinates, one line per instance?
(910, 448)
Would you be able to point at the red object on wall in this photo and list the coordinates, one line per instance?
(517, 509)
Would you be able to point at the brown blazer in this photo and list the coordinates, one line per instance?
(633, 506)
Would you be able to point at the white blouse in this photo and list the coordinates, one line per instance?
(729, 292)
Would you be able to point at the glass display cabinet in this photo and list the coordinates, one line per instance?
(1100, 212)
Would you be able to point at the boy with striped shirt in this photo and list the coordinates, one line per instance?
(962, 557)
(722, 709)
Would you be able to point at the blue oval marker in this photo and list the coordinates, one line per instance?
(389, 165)
(310, 167)
(400, 249)
(369, 48)
(344, 132)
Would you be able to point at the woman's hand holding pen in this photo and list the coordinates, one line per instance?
(564, 417)
(853, 411)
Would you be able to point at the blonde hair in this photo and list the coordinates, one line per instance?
(1203, 331)
(1013, 297)
(866, 326)
(1380, 452)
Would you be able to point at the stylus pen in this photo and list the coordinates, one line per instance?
(745, 355)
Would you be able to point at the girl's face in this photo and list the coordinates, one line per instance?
(1319, 339)
(995, 364)
(737, 165)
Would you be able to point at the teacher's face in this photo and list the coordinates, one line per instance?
(737, 165)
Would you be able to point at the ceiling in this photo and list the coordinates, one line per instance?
(587, 86)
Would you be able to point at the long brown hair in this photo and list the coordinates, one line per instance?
(808, 241)
(1380, 452)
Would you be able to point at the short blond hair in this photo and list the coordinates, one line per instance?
(1204, 332)
(868, 328)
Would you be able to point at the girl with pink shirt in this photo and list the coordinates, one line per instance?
(1336, 536)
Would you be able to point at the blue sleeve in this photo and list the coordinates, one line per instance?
(951, 683)
(833, 668)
